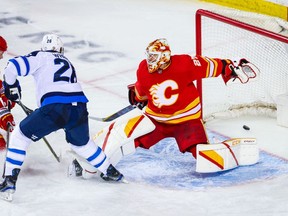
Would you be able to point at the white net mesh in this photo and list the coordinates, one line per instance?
(222, 40)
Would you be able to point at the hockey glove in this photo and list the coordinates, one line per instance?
(5, 102)
(133, 99)
(12, 92)
(244, 71)
(6, 119)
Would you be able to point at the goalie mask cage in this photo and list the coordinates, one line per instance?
(236, 34)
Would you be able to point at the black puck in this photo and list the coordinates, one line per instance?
(246, 127)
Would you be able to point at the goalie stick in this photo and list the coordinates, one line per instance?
(28, 111)
(114, 115)
(9, 126)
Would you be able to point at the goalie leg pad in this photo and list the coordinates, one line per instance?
(226, 155)
(117, 139)
(120, 151)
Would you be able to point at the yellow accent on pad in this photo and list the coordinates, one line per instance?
(258, 6)
(214, 157)
(130, 126)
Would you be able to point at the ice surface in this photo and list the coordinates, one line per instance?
(106, 40)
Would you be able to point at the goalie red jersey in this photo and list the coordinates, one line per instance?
(165, 83)
(171, 94)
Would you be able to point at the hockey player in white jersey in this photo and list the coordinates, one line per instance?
(62, 105)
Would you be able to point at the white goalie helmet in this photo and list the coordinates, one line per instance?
(52, 42)
(158, 53)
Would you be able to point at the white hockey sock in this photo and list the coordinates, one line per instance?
(16, 152)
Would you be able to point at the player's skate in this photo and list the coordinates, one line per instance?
(75, 169)
(112, 174)
(8, 186)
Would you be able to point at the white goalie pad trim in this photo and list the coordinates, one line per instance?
(117, 139)
(226, 155)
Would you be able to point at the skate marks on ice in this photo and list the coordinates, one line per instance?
(164, 166)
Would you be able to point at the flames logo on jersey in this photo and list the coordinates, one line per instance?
(160, 96)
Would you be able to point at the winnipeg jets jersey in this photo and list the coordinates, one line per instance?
(54, 75)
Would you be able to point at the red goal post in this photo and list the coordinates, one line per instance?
(258, 38)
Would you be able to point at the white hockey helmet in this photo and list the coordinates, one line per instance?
(52, 42)
(158, 53)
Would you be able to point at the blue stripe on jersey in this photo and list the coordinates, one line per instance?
(16, 65)
(15, 162)
(26, 64)
(63, 94)
(64, 99)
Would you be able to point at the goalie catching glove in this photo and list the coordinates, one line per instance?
(243, 71)
(133, 98)
(12, 92)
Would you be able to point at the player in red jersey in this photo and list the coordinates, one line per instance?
(165, 84)
(6, 118)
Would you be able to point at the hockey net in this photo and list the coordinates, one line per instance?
(260, 39)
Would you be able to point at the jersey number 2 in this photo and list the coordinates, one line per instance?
(58, 76)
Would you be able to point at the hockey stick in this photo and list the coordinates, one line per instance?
(114, 115)
(9, 126)
(28, 111)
